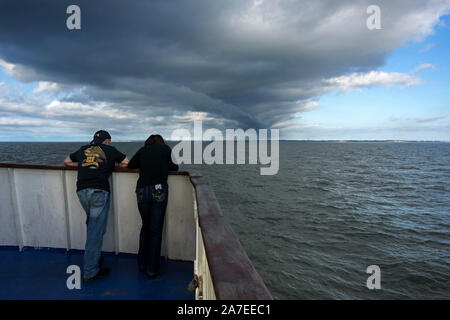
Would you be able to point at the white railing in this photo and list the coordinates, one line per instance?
(205, 286)
(40, 208)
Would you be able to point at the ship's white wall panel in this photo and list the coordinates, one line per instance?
(41, 206)
(7, 224)
(108, 238)
(77, 217)
(179, 229)
(180, 219)
(128, 218)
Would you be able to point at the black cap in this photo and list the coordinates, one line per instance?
(100, 136)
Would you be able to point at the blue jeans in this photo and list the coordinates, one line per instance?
(95, 203)
(152, 206)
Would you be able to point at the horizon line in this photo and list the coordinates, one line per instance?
(225, 140)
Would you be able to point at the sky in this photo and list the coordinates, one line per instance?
(312, 69)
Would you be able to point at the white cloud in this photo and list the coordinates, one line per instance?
(309, 106)
(418, 24)
(419, 119)
(295, 121)
(8, 68)
(45, 86)
(423, 67)
(191, 116)
(373, 78)
(18, 71)
(18, 122)
(101, 110)
(16, 107)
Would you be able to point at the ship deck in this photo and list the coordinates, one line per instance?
(41, 274)
(40, 209)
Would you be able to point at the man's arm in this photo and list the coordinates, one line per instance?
(69, 163)
(124, 163)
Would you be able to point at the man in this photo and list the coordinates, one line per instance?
(95, 163)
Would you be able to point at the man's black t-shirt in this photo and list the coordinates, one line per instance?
(154, 162)
(95, 164)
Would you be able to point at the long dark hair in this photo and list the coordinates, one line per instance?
(155, 139)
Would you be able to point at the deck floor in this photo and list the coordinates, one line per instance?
(41, 274)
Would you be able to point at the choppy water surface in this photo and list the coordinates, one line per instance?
(332, 210)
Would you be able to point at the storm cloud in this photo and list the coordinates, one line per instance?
(234, 63)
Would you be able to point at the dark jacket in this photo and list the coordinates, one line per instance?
(154, 162)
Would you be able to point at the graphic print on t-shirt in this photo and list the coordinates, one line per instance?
(94, 156)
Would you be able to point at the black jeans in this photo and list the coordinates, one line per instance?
(152, 204)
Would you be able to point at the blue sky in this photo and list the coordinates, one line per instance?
(419, 112)
(311, 69)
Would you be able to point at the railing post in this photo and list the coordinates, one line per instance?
(15, 205)
(66, 208)
(115, 205)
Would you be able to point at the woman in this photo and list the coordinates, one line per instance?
(154, 162)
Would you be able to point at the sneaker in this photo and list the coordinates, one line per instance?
(101, 273)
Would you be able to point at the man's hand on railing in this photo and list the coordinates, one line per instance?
(124, 163)
(69, 163)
